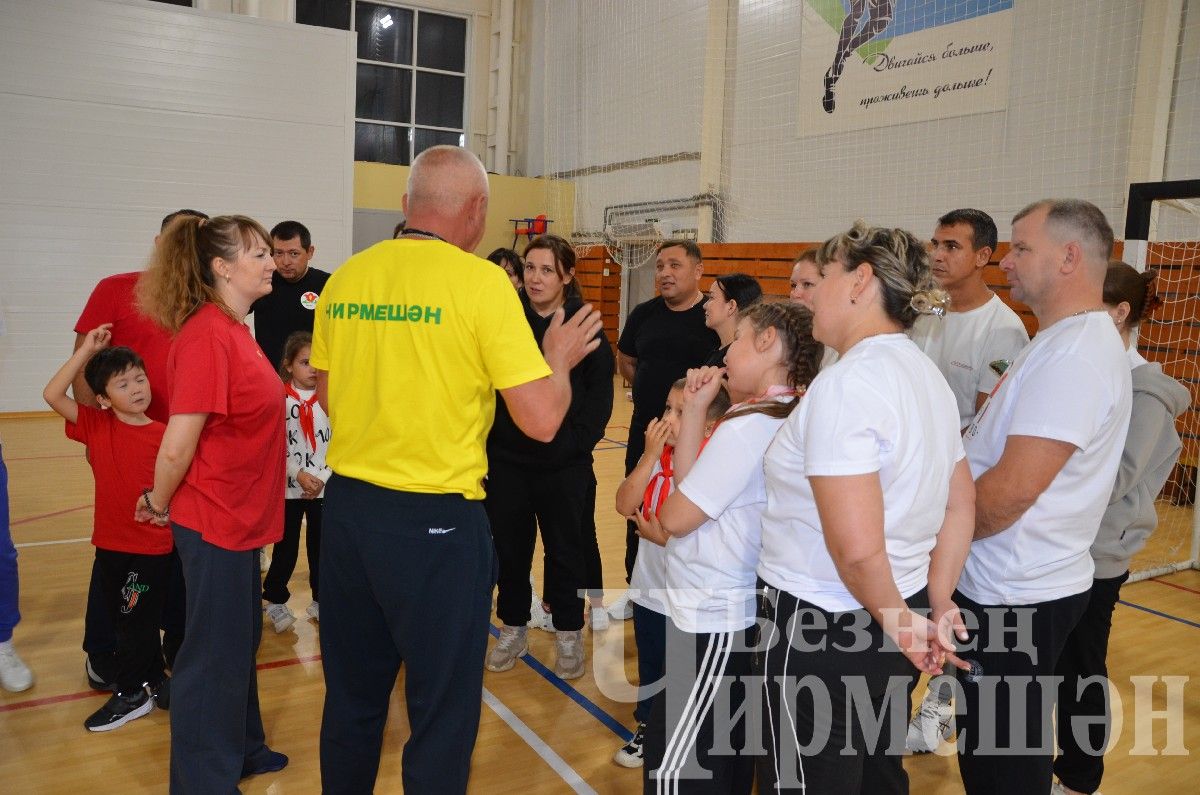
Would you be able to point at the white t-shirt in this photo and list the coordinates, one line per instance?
(964, 345)
(300, 454)
(649, 578)
(882, 408)
(711, 571)
(1072, 384)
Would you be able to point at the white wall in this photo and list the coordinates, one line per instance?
(1183, 132)
(115, 112)
(1066, 132)
(624, 79)
(610, 83)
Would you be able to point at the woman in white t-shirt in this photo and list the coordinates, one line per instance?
(710, 526)
(806, 275)
(870, 507)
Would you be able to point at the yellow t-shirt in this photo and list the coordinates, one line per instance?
(416, 336)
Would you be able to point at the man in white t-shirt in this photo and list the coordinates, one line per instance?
(972, 346)
(980, 336)
(1044, 451)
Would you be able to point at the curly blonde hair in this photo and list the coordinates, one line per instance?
(900, 263)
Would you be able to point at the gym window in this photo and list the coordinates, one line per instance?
(411, 75)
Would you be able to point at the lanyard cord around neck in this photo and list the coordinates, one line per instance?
(422, 233)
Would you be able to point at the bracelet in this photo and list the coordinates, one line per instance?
(154, 511)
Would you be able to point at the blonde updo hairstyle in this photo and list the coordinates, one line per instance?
(900, 263)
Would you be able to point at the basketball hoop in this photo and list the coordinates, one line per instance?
(530, 227)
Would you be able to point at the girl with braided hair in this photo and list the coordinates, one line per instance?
(710, 526)
(868, 521)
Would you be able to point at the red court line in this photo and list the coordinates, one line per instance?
(41, 702)
(48, 515)
(285, 663)
(1180, 587)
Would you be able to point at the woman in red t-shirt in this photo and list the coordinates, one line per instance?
(219, 475)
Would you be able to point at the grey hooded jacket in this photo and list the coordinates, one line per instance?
(1151, 450)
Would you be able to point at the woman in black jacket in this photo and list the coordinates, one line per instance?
(550, 485)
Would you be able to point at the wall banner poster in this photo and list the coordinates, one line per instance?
(876, 63)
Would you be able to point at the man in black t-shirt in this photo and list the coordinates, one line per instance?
(294, 290)
(662, 338)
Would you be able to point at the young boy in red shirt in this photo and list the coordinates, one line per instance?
(133, 557)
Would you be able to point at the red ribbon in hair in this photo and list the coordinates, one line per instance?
(307, 422)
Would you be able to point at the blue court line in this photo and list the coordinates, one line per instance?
(613, 441)
(588, 705)
(1159, 614)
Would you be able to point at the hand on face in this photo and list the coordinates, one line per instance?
(703, 384)
(657, 434)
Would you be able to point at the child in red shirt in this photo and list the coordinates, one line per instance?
(133, 557)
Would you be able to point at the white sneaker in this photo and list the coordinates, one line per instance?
(932, 723)
(622, 609)
(540, 617)
(513, 643)
(599, 618)
(264, 560)
(630, 754)
(15, 675)
(1059, 789)
(314, 611)
(281, 617)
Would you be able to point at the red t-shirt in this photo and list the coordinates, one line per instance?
(113, 301)
(233, 492)
(122, 458)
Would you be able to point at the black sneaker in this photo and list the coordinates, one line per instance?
(95, 680)
(630, 754)
(162, 693)
(267, 762)
(119, 710)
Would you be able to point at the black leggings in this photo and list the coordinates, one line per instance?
(283, 558)
(518, 503)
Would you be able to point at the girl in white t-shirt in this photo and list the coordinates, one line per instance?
(869, 517)
(643, 492)
(307, 428)
(710, 526)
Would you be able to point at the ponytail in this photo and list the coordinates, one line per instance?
(180, 278)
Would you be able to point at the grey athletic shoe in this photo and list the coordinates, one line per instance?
(569, 646)
(511, 644)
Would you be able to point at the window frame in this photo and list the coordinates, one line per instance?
(411, 125)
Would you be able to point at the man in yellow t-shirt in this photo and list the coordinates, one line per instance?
(412, 339)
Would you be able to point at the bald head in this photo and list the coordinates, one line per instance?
(448, 196)
(444, 179)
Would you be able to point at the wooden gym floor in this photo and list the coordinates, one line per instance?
(537, 734)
